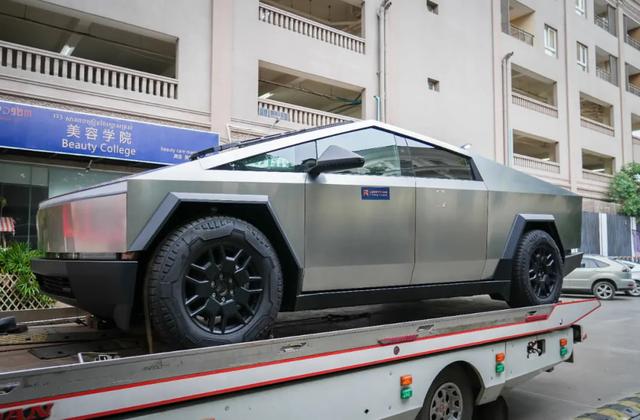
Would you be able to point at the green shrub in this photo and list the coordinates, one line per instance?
(625, 189)
(16, 260)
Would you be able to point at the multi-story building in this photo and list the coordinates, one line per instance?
(551, 87)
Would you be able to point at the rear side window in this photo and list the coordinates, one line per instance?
(377, 147)
(298, 158)
(588, 263)
(423, 160)
(600, 264)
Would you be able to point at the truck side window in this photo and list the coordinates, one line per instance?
(377, 147)
(427, 161)
(298, 158)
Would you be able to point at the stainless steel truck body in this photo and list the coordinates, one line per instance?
(351, 214)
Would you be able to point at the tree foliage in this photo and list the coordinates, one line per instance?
(625, 189)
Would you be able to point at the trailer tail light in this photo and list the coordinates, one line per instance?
(500, 357)
(406, 380)
(405, 387)
(563, 347)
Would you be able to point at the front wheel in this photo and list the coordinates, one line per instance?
(215, 280)
(537, 270)
(635, 292)
(604, 290)
(450, 397)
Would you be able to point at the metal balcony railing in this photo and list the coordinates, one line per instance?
(596, 176)
(529, 162)
(521, 34)
(530, 103)
(633, 89)
(597, 126)
(33, 61)
(602, 22)
(298, 114)
(632, 41)
(607, 75)
(292, 22)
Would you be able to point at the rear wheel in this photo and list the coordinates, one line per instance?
(635, 292)
(216, 280)
(603, 290)
(450, 397)
(537, 270)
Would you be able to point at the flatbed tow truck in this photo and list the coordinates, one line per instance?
(454, 364)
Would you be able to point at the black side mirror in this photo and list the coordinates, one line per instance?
(336, 158)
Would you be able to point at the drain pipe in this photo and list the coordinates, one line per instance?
(382, 59)
(378, 110)
(506, 95)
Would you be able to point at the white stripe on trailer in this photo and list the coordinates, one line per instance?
(119, 399)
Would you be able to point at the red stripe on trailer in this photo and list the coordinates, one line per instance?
(294, 377)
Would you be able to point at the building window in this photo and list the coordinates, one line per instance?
(583, 57)
(550, 40)
(581, 7)
(432, 7)
(433, 84)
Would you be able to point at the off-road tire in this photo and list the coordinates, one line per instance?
(170, 264)
(523, 292)
(457, 376)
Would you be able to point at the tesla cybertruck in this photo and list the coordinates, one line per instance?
(350, 214)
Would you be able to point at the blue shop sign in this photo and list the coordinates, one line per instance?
(37, 128)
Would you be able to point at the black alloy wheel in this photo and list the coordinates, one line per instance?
(223, 287)
(212, 281)
(543, 275)
(537, 270)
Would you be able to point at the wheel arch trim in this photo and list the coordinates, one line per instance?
(172, 201)
(518, 227)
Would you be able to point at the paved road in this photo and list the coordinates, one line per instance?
(606, 368)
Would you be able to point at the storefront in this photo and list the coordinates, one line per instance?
(51, 151)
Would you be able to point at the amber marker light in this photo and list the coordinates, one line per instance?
(406, 380)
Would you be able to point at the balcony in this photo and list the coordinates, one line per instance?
(535, 152)
(599, 127)
(519, 21)
(526, 102)
(521, 34)
(632, 41)
(295, 23)
(602, 22)
(605, 16)
(298, 114)
(289, 95)
(528, 162)
(597, 176)
(597, 167)
(51, 67)
(607, 75)
(533, 91)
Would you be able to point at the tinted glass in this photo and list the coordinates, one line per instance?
(377, 147)
(588, 263)
(298, 158)
(426, 161)
(600, 264)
